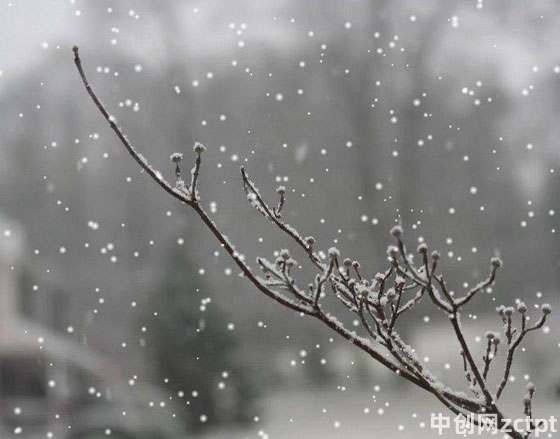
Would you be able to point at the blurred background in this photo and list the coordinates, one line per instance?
(120, 315)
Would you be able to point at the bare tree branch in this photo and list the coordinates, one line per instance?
(377, 303)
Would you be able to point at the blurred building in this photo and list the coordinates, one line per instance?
(51, 384)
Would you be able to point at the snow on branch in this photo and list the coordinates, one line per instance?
(378, 302)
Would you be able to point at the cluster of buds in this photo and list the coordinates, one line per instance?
(391, 295)
(422, 248)
(496, 262)
(396, 231)
(309, 241)
(393, 252)
(493, 337)
(379, 278)
(284, 260)
(363, 288)
(284, 254)
(507, 311)
(177, 158)
(281, 191)
(251, 197)
(493, 340)
(198, 148)
(333, 252)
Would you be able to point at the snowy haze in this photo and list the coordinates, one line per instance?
(441, 115)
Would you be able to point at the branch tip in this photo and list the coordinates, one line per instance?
(333, 252)
(496, 262)
(396, 231)
(199, 148)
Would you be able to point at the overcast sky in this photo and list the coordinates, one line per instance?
(27, 27)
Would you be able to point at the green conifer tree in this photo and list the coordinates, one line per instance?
(195, 353)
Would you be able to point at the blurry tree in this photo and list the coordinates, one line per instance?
(196, 355)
